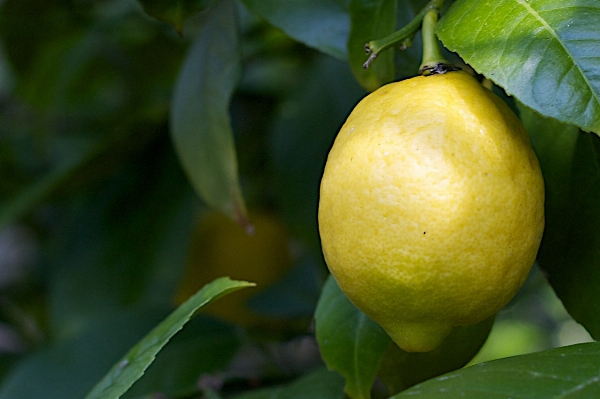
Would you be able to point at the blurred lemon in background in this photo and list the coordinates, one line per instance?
(219, 247)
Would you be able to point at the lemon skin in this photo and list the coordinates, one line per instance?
(220, 247)
(431, 207)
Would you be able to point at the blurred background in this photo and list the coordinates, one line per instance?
(101, 234)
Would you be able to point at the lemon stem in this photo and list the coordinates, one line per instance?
(433, 60)
(402, 37)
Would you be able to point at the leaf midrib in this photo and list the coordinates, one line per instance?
(551, 30)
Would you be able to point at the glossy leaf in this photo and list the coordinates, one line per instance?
(320, 24)
(568, 372)
(133, 365)
(544, 52)
(319, 384)
(370, 20)
(174, 12)
(350, 342)
(200, 124)
(570, 249)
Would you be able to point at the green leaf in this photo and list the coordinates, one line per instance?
(320, 24)
(568, 372)
(350, 342)
(400, 370)
(205, 345)
(544, 52)
(69, 368)
(38, 191)
(133, 365)
(174, 12)
(370, 20)
(200, 124)
(127, 240)
(299, 144)
(570, 249)
(319, 384)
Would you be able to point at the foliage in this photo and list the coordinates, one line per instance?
(123, 121)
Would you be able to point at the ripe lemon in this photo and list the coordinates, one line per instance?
(219, 247)
(431, 207)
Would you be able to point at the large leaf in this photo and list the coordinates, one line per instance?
(370, 20)
(544, 52)
(133, 365)
(350, 342)
(568, 372)
(321, 24)
(200, 124)
(570, 249)
(174, 12)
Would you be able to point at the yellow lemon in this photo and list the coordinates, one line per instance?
(431, 207)
(219, 247)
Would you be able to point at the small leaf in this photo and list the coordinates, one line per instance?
(544, 52)
(200, 124)
(133, 365)
(350, 342)
(570, 249)
(370, 20)
(568, 372)
(174, 12)
(320, 24)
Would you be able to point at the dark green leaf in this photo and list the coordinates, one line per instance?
(38, 191)
(69, 368)
(299, 144)
(203, 346)
(321, 24)
(544, 52)
(370, 20)
(400, 370)
(570, 249)
(295, 295)
(133, 365)
(200, 125)
(174, 12)
(568, 372)
(320, 384)
(350, 342)
(123, 244)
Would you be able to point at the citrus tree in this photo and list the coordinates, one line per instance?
(157, 156)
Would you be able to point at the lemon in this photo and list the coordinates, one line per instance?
(219, 247)
(431, 207)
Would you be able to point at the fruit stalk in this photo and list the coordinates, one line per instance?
(403, 37)
(433, 61)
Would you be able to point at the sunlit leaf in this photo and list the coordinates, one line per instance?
(544, 52)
